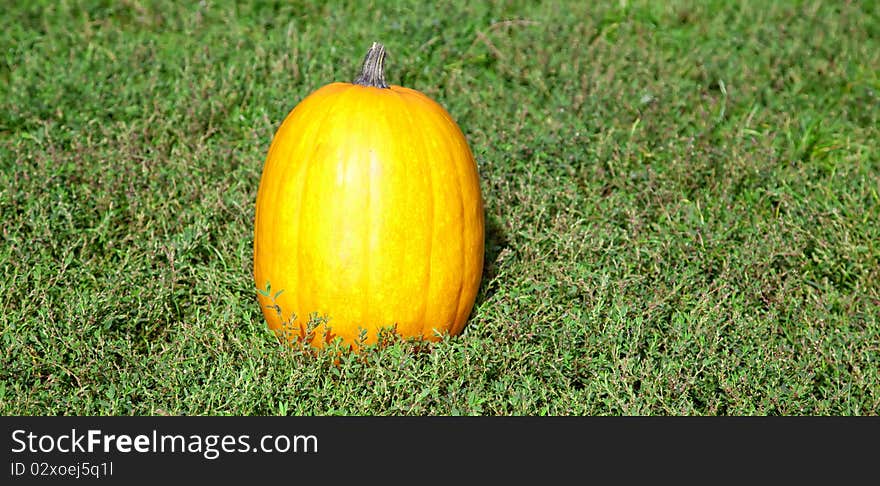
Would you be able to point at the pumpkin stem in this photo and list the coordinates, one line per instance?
(373, 72)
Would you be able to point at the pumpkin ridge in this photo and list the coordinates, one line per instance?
(464, 256)
(309, 166)
(456, 140)
(435, 117)
(273, 191)
(414, 127)
(367, 314)
(463, 219)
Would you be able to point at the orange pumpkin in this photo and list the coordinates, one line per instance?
(369, 213)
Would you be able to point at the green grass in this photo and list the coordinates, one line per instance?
(682, 198)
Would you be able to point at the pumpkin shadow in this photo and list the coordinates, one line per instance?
(495, 243)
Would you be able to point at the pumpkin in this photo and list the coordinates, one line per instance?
(368, 216)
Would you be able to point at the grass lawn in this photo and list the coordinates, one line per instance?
(682, 203)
